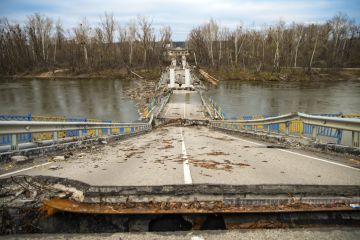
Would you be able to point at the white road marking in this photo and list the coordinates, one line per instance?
(319, 159)
(23, 170)
(186, 167)
(299, 154)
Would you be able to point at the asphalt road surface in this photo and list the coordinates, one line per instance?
(190, 155)
(184, 104)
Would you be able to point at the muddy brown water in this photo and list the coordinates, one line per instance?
(107, 99)
(87, 98)
(239, 98)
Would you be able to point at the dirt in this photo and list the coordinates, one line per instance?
(166, 147)
(227, 165)
(216, 153)
(128, 155)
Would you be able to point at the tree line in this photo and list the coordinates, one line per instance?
(42, 44)
(332, 44)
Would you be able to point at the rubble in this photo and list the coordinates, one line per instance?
(58, 158)
(53, 167)
(19, 159)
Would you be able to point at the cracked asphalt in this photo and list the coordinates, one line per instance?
(157, 158)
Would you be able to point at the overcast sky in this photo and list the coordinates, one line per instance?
(182, 15)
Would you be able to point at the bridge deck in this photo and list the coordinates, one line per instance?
(184, 104)
(169, 155)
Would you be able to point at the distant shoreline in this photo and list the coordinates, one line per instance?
(286, 75)
(223, 74)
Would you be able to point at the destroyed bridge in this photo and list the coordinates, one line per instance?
(184, 163)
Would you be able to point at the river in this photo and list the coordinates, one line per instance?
(90, 98)
(238, 98)
(106, 99)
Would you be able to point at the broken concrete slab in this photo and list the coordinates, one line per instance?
(58, 158)
(19, 159)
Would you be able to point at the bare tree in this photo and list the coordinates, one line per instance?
(145, 35)
(39, 28)
(58, 38)
(131, 38)
(238, 42)
(38, 44)
(298, 35)
(277, 36)
(210, 32)
(108, 26)
(82, 35)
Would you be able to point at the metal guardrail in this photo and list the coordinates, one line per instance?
(206, 105)
(16, 128)
(315, 122)
(157, 102)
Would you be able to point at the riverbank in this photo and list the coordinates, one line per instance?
(222, 74)
(285, 74)
(63, 74)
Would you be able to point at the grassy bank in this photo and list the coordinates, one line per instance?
(285, 74)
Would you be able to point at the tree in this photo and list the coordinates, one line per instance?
(82, 35)
(210, 32)
(131, 38)
(145, 35)
(58, 38)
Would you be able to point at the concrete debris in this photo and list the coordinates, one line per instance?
(104, 142)
(211, 164)
(217, 153)
(19, 159)
(80, 155)
(76, 195)
(53, 167)
(58, 158)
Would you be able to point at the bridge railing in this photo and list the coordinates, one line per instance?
(159, 102)
(303, 124)
(55, 130)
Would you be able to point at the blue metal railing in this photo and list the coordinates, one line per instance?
(304, 129)
(28, 137)
(23, 138)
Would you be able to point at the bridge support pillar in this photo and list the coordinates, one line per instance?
(173, 62)
(187, 77)
(183, 59)
(172, 78)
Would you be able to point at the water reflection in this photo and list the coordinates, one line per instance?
(95, 98)
(249, 98)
